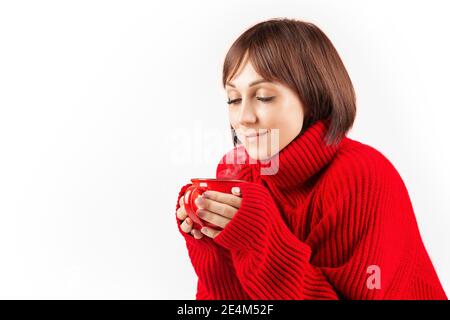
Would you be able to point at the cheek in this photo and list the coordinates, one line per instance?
(291, 126)
(269, 118)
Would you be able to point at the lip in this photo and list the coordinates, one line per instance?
(255, 135)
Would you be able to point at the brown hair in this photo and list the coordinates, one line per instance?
(299, 55)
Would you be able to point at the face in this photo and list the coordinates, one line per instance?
(267, 116)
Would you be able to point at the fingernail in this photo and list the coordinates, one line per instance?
(199, 201)
(204, 230)
(205, 194)
(188, 221)
(236, 190)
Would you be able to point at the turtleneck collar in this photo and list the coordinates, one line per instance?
(303, 157)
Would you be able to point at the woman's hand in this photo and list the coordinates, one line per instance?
(217, 208)
(187, 224)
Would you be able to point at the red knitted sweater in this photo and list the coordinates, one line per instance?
(335, 222)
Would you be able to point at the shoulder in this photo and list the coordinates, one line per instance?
(355, 155)
(362, 189)
(358, 168)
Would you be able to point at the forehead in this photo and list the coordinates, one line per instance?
(246, 76)
(246, 70)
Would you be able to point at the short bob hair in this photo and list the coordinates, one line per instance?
(298, 54)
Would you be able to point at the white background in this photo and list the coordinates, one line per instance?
(103, 104)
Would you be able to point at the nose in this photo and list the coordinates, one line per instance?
(246, 114)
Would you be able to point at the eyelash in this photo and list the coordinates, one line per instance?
(263, 99)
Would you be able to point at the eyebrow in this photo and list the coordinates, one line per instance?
(254, 83)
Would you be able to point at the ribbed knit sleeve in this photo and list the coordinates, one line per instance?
(212, 264)
(270, 262)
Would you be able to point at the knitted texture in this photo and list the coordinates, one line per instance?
(332, 222)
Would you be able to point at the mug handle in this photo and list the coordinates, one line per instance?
(190, 195)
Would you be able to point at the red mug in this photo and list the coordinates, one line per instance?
(199, 186)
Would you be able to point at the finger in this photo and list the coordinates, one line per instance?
(213, 218)
(181, 201)
(220, 208)
(197, 234)
(186, 226)
(181, 213)
(210, 232)
(226, 198)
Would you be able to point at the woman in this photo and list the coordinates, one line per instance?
(320, 216)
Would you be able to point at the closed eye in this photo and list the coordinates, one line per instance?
(263, 99)
(233, 101)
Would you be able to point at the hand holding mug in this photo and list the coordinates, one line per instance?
(209, 205)
(187, 223)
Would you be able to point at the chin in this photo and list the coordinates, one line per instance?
(258, 153)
